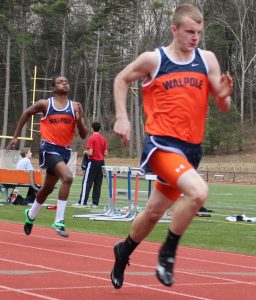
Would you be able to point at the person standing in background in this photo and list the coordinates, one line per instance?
(96, 150)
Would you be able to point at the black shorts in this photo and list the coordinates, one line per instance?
(51, 161)
(50, 155)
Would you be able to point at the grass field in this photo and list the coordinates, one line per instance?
(213, 232)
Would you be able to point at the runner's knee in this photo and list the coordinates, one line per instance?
(199, 195)
(45, 191)
(153, 213)
(67, 179)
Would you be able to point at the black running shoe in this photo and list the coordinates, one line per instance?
(117, 274)
(28, 223)
(164, 269)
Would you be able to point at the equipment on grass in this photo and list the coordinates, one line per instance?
(51, 207)
(114, 214)
(241, 218)
(129, 214)
(203, 215)
(113, 175)
(111, 209)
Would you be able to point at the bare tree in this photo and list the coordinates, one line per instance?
(24, 90)
(96, 78)
(136, 97)
(244, 58)
(63, 48)
(7, 90)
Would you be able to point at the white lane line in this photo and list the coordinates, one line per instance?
(26, 293)
(111, 260)
(104, 279)
(146, 252)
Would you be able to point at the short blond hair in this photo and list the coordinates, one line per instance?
(187, 10)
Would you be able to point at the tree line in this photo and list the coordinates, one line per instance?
(90, 41)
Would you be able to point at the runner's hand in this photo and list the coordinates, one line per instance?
(12, 144)
(78, 112)
(122, 128)
(226, 85)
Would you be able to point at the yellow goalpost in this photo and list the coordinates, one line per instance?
(32, 118)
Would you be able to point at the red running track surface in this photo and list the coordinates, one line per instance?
(46, 266)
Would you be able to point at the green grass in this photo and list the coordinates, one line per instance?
(212, 233)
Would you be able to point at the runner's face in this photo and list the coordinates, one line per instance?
(188, 34)
(61, 85)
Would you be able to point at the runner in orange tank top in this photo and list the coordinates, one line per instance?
(177, 82)
(57, 127)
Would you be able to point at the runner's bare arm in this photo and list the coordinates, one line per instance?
(221, 85)
(142, 67)
(82, 129)
(39, 106)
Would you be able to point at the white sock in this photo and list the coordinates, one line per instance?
(61, 206)
(33, 211)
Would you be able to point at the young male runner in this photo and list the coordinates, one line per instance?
(177, 82)
(57, 127)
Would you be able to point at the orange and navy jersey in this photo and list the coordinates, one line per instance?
(176, 98)
(57, 126)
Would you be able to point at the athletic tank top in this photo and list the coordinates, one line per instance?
(176, 98)
(57, 126)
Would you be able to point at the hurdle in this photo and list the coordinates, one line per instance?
(118, 216)
(112, 173)
(129, 215)
(111, 191)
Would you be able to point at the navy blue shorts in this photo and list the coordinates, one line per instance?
(50, 155)
(193, 152)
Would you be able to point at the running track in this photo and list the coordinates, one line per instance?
(46, 266)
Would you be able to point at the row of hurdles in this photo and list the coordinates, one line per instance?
(130, 196)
